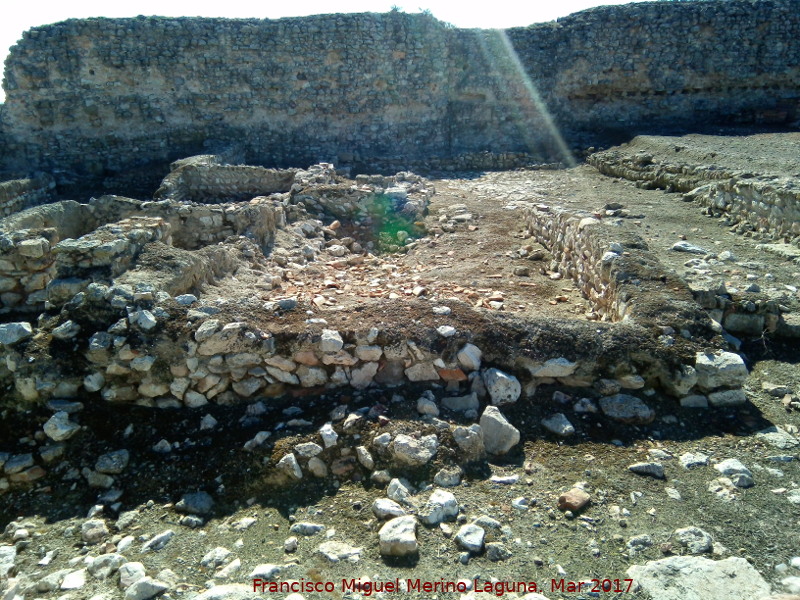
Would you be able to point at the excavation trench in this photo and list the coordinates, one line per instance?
(229, 334)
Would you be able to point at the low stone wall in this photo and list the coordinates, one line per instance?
(166, 353)
(194, 225)
(68, 217)
(404, 195)
(27, 265)
(101, 255)
(69, 242)
(614, 269)
(27, 262)
(203, 181)
(767, 205)
(18, 194)
(744, 315)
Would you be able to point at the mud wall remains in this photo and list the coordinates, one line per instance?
(98, 97)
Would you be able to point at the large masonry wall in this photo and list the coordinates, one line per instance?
(97, 97)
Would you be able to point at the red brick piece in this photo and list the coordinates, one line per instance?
(573, 500)
(452, 375)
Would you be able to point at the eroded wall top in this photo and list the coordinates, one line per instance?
(98, 96)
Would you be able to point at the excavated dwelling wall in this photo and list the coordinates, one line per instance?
(768, 205)
(614, 269)
(51, 252)
(18, 194)
(625, 281)
(150, 356)
(223, 183)
(94, 98)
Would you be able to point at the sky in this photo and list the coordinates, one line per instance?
(20, 15)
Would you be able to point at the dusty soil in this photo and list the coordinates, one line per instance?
(763, 154)
(470, 265)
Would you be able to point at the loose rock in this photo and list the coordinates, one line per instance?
(499, 436)
(470, 537)
(398, 537)
(502, 388)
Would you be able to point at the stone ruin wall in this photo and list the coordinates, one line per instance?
(82, 258)
(766, 204)
(94, 98)
(614, 268)
(218, 183)
(18, 194)
(625, 281)
(53, 252)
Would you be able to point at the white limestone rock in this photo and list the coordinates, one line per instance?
(106, 565)
(469, 357)
(559, 425)
(502, 388)
(720, 369)
(145, 588)
(470, 442)
(422, 371)
(331, 341)
(74, 580)
(365, 458)
(328, 435)
(362, 377)
(448, 476)
(499, 436)
(289, 466)
(735, 470)
(556, 367)
(307, 449)
(412, 452)
(94, 531)
(399, 492)
(694, 539)
(398, 537)
(130, 573)
(384, 508)
(336, 551)
(215, 557)
(441, 506)
(471, 537)
(59, 428)
(158, 542)
(697, 578)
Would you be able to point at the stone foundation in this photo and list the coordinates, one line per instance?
(767, 205)
(614, 269)
(18, 194)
